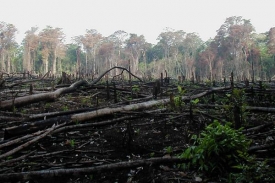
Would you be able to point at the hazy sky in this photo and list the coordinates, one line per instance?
(147, 17)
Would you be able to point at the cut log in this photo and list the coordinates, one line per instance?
(33, 127)
(145, 105)
(20, 101)
(27, 143)
(261, 147)
(36, 175)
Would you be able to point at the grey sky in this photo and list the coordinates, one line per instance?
(147, 17)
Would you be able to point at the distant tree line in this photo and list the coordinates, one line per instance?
(236, 47)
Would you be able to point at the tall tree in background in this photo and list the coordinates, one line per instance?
(118, 38)
(70, 58)
(50, 39)
(106, 53)
(271, 41)
(144, 51)
(234, 48)
(234, 40)
(166, 40)
(90, 41)
(208, 56)
(265, 44)
(191, 44)
(60, 54)
(56, 45)
(31, 43)
(180, 51)
(7, 45)
(176, 54)
(134, 46)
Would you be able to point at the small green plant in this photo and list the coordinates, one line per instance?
(160, 106)
(76, 122)
(253, 171)
(91, 177)
(178, 98)
(47, 105)
(152, 154)
(208, 83)
(196, 101)
(265, 86)
(69, 96)
(84, 101)
(178, 101)
(238, 96)
(236, 99)
(65, 108)
(169, 150)
(137, 131)
(135, 88)
(72, 143)
(217, 150)
(14, 109)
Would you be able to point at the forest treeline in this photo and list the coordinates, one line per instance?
(236, 47)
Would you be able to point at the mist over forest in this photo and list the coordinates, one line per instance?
(236, 47)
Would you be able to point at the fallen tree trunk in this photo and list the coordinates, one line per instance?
(26, 81)
(108, 111)
(16, 159)
(145, 105)
(102, 123)
(33, 127)
(35, 175)
(261, 147)
(38, 125)
(19, 140)
(20, 101)
(27, 143)
(260, 127)
(59, 113)
(248, 108)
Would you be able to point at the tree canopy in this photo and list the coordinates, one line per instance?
(236, 47)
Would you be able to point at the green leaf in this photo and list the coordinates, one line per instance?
(195, 101)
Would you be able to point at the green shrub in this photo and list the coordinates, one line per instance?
(217, 151)
(253, 171)
(178, 98)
